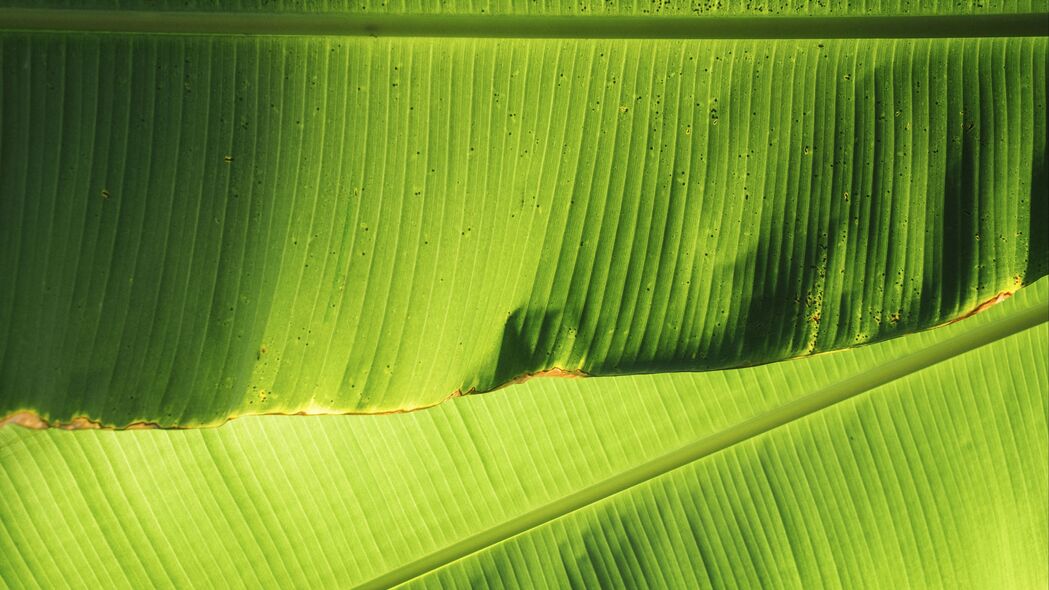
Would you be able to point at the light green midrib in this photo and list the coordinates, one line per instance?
(795, 410)
(528, 26)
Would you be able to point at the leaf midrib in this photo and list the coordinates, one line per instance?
(528, 26)
(800, 408)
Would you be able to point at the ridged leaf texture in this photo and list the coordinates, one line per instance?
(917, 462)
(210, 211)
(201, 226)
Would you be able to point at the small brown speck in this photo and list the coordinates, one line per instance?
(105, 194)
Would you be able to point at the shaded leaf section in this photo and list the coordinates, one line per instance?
(939, 476)
(194, 228)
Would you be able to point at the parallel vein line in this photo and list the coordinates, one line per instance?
(504, 26)
(795, 410)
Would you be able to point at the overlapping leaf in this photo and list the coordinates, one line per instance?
(933, 476)
(196, 227)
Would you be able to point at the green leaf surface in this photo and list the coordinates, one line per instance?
(918, 462)
(197, 227)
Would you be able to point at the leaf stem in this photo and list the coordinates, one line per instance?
(753, 427)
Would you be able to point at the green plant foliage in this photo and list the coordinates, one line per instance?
(799, 250)
(934, 474)
(196, 227)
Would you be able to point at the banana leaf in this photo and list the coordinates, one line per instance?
(918, 462)
(832, 215)
(198, 223)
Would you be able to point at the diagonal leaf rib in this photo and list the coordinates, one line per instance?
(800, 408)
(499, 26)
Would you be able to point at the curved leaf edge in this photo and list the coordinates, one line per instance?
(32, 418)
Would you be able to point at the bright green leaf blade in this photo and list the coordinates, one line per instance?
(959, 447)
(194, 228)
(938, 480)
